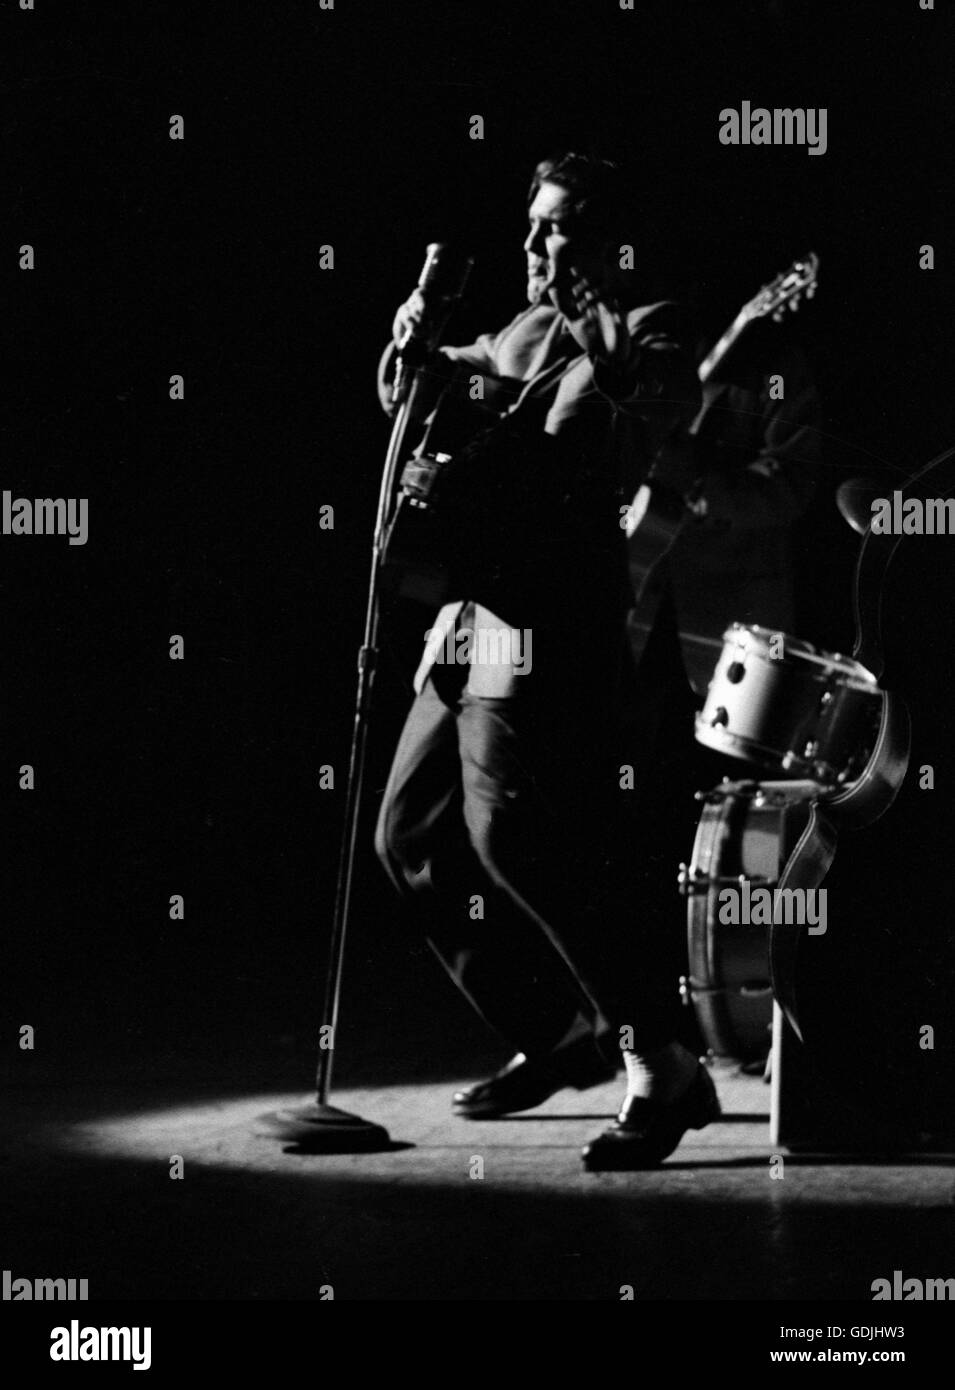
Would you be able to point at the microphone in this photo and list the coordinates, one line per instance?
(441, 283)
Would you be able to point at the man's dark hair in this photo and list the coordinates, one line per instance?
(597, 186)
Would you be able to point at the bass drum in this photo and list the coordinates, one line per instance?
(747, 831)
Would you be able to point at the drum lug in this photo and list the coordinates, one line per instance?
(686, 878)
(693, 884)
(727, 791)
(691, 989)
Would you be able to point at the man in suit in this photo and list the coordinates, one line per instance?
(506, 777)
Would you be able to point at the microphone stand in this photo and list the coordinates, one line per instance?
(321, 1127)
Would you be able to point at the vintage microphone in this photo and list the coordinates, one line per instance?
(320, 1127)
(441, 284)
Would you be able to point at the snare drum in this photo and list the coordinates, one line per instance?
(747, 831)
(786, 706)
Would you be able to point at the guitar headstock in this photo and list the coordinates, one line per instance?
(786, 292)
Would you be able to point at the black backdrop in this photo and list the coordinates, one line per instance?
(306, 127)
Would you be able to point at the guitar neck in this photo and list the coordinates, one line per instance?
(716, 354)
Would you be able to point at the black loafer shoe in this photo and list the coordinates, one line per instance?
(646, 1132)
(523, 1084)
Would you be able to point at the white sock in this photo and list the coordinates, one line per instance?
(662, 1075)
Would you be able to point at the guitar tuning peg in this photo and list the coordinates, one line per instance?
(811, 291)
(777, 316)
(794, 304)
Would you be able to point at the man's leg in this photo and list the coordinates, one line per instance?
(537, 792)
(538, 806)
(509, 973)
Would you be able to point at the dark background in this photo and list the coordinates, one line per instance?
(350, 127)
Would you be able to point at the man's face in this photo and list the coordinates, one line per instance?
(556, 241)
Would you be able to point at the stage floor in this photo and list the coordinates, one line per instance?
(89, 1194)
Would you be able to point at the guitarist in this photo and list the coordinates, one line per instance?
(756, 444)
(495, 817)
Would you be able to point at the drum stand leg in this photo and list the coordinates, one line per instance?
(320, 1127)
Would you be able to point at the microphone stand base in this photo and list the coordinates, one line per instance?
(326, 1129)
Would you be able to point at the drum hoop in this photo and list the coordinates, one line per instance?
(715, 1002)
(708, 843)
(746, 745)
(796, 651)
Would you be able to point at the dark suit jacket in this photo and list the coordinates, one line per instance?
(761, 460)
(535, 368)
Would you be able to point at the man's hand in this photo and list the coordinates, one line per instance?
(593, 316)
(410, 316)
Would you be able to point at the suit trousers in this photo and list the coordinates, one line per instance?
(539, 837)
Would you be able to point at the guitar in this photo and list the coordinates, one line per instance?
(413, 565)
(658, 514)
(773, 300)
